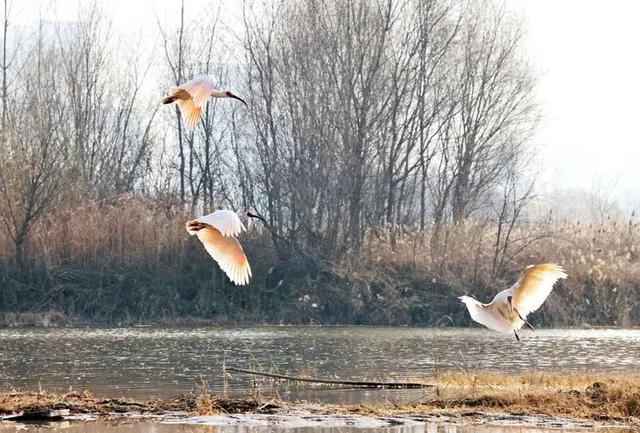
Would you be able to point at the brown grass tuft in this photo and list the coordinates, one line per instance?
(597, 397)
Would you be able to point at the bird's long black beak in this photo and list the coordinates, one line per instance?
(252, 215)
(239, 99)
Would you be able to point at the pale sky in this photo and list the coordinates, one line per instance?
(587, 55)
(585, 51)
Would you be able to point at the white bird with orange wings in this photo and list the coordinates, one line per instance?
(218, 231)
(508, 310)
(193, 96)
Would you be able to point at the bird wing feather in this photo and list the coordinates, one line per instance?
(485, 316)
(190, 112)
(226, 221)
(228, 253)
(200, 89)
(534, 286)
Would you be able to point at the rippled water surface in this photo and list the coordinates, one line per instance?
(158, 363)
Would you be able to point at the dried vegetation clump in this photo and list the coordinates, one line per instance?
(612, 398)
(13, 402)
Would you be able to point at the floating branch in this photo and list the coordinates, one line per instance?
(364, 384)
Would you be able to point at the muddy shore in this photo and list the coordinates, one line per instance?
(612, 400)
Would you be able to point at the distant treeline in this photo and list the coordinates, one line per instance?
(385, 142)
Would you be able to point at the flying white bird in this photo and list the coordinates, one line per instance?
(218, 231)
(509, 309)
(192, 97)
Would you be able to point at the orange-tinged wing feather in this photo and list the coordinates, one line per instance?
(227, 251)
(534, 286)
(190, 112)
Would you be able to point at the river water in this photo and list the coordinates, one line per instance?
(145, 363)
(151, 427)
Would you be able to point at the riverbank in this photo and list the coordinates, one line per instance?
(93, 263)
(532, 398)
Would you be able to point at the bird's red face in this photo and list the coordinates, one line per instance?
(232, 96)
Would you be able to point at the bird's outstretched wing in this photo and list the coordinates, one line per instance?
(200, 89)
(226, 221)
(191, 98)
(227, 251)
(534, 286)
(485, 316)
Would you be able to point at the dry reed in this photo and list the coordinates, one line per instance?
(130, 259)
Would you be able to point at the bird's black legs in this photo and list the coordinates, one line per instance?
(512, 310)
(521, 318)
(525, 322)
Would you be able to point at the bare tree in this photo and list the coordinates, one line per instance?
(107, 126)
(332, 113)
(494, 90)
(33, 165)
(514, 198)
(602, 203)
(5, 62)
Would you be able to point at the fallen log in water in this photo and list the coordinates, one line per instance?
(359, 383)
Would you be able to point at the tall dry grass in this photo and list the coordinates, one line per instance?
(130, 260)
(127, 260)
(601, 259)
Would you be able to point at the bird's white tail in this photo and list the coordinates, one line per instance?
(472, 305)
(482, 315)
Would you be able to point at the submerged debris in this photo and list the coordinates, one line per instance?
(38, 414)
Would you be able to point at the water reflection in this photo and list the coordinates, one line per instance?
(159, 363)
(150, 427)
